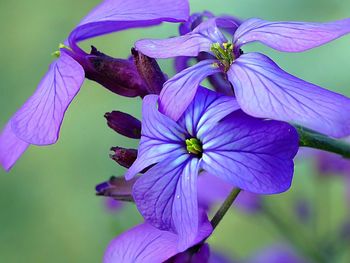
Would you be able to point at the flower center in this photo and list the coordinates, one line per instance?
(194, 146)
(57, 53)
(224, 53)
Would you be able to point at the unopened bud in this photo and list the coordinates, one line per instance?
(117, 188)
(149, 71)
(118, 75)
(124, 157)
(124, 124)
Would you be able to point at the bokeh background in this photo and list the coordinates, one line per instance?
(48, 208)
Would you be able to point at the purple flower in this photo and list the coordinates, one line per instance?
(39, 120)
(145, 243)
(252, 154)
(262, 88)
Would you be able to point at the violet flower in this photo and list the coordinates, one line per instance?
(145, 243)
(262, 88)
(39, 120)
(256, 155)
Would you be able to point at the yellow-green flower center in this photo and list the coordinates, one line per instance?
(194, 146)
(224, 53)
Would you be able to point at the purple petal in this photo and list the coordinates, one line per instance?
(166, 196)
(11, 147)
(160, 137)
(179, 91)
(40, 118)
(114, 15)
(143, 243)
(264, 90)
(255, 155)
(206, 109)
(200, 39)
(290, 36)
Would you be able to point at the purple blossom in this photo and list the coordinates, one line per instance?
(39, 120)
(261, 87)
(256, 155)
(145, 243)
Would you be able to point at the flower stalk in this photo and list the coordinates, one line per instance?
(225, 207)
(313, 139)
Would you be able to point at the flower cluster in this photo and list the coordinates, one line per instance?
(196, 144)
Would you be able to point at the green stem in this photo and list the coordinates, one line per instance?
(313, 139)
(225, 207)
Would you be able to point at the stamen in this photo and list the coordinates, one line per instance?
(194, 146)
(57, 53)
(224, 53)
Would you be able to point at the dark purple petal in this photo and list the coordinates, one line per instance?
(253, 154)
(123, 156)
(207, 108)
(264, 90)
(143, 243)
(160, 137)
(179, 91)
(11, 147)
(200, 39)
(40, 118)
(124, 124)
(166, 196)
(290, 36)
(114, 15)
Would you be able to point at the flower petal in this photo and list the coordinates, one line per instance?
(290, 36)
(39, 120)
(11, 147)
(179, 91)
(166, 196)
(143, 243)
(200, 39)
(160, 137)
(207, 108)
(114, 15)
(264, 90)
(255, 155)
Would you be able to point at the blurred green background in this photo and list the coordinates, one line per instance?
(48, 210)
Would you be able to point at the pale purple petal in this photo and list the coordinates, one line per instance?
(40, 118)
(179, 91)
(200, 39)
(11, 147)
(143, 243)
(160, 137)
(166, 196)
(207, 108)
(264, 90)
(290, 36)
(253, 154)
(114, 15)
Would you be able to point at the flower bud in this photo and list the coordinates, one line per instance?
(118, 75)
(124, 124)
(149, 71)
(117, 188)
(124, 157)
